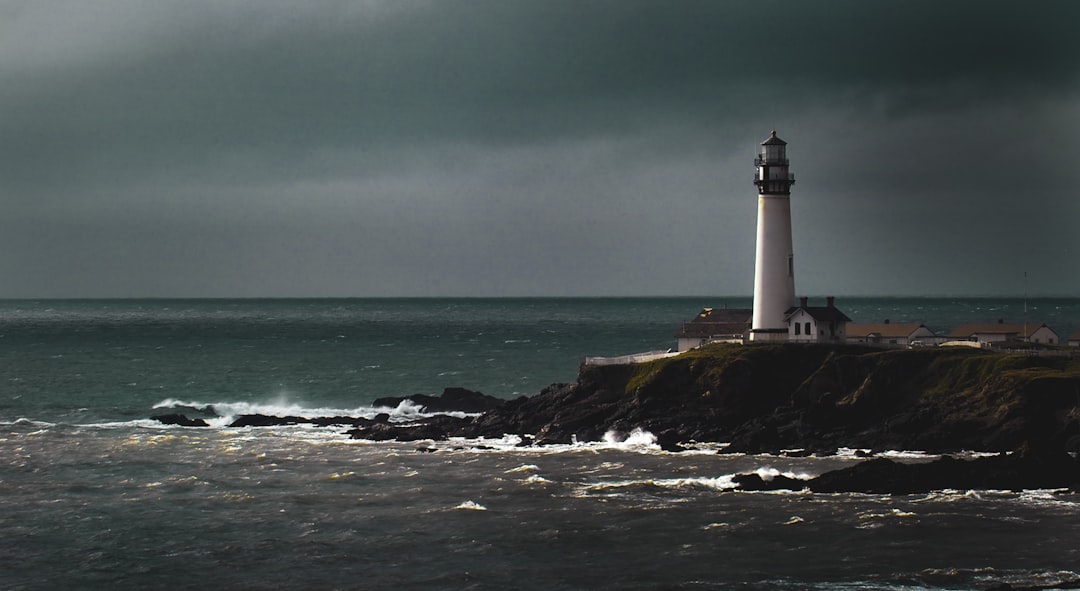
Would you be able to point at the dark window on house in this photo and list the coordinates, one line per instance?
(808, 331)
(797, 328)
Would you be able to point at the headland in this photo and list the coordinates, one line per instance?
(799, 399)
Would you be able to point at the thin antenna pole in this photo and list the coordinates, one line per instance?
(1026, 338)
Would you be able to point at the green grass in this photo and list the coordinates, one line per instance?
(934, 372)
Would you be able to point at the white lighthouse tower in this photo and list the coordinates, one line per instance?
(774, 268)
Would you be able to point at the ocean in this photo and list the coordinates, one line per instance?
(96, 495)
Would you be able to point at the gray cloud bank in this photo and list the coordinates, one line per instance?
(532, 148)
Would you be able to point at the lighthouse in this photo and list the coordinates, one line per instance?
(774, 267)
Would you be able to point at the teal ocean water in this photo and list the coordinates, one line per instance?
(96, 495)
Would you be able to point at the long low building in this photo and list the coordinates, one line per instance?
(890, 334)
(1001, 332)
(827, 324)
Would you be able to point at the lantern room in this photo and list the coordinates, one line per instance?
(774, 150)
(773, 176)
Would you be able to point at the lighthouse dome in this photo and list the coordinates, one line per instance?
(773, 140)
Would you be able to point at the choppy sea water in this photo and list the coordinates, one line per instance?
(94, 495)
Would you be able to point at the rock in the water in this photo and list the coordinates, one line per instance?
(392, 432)
(1072, 584)
(339, 421)
(259, 420)
(436, 428)
(451, 400)
(1017, 471)
(754, 482)
(207, 411)
(179, 419)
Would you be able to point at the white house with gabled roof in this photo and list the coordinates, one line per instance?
(816, 324)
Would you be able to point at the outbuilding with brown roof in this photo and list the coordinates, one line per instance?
(715, 324)
(1001, 331)
(889, 334)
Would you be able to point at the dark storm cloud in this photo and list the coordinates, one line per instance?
(508, 147)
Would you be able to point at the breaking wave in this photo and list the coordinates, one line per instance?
(221, 414)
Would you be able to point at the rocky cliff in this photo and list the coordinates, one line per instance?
(771, 397)
(779, 398)
(768, 398)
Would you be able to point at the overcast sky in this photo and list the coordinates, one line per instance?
(540, 147)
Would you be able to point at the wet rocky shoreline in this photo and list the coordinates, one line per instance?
(775, 399)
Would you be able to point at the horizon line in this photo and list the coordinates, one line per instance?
(1019, 296)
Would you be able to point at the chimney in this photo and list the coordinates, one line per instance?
(829, 301)
(802, 302)
(1001, 321)
(886, 321)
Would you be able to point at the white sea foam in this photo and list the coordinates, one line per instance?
(1049, 498)
(703, 448)
(987, 575)
(227, 411)
(24, 422)
(637, 441)
(768, 473)
(908, 454)
(143, 423)
(724, 482)
(896, 454)
(637, 438)
(892, 513)
(536, 479)
(471, 506)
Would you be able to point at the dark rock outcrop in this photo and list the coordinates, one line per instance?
(768, 398)
(1025, 469)
(1071, 584)
(438, 427)
(260, 420)
(932, 399)
(207, 411)
(451, 400)
(777, 398)
(179, 419)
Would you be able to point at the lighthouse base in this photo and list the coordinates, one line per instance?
(769, 335)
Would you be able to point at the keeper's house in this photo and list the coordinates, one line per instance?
(891, 334)
(1002, 332)
(816, 324)
(1074, 338)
